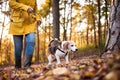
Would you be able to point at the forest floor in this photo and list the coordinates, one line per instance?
(85, 67)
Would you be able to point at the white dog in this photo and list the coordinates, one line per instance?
(57, 49)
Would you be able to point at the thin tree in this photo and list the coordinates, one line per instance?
(3, 24)
(94, 26)
(65, 26)
(87, 30)
(106, 17)
(99, 27)
(71, 19)
(37, 46)
(55, 11)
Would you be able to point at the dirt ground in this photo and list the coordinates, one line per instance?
(81, 67)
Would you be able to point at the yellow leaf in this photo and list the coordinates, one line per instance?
(75, 76)
(49, 73)
(89, 74)
(82, 66)
(5, 75)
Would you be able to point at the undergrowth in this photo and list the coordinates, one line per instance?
(91, 49)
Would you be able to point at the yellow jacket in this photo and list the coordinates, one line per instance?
(22, 22)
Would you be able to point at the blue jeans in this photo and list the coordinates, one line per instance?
(18, 44)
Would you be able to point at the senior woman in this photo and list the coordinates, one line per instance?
(23, 20)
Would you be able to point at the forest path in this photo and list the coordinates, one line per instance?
(81, 68)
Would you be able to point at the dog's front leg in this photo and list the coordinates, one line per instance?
(58, 59)
(66, 58)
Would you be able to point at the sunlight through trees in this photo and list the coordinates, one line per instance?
(83, 21)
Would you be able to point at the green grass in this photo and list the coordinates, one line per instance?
(90, 49)
(87, 49)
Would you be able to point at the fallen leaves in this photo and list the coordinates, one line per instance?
(82, 68)
(61, 71)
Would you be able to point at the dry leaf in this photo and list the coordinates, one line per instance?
(61, 71)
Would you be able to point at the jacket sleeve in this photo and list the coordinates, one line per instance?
(15, 5)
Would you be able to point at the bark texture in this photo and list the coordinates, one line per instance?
(113, 37)
(55, 11)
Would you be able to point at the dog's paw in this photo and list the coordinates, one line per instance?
(49, 66)
(67, 65)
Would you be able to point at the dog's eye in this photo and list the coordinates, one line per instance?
(72, 45)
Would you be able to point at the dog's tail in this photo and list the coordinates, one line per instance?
(50, 43)
(54, 42)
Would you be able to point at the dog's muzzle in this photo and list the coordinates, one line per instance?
(75, 51)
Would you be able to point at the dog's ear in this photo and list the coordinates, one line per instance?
(66, 45)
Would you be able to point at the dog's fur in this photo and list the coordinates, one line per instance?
(57, 49)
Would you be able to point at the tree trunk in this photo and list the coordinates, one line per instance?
(64, 27)
(44, 41)
(106, 18)
(71, 20)
(23, 50)
(113, 37)
(55, 11)
(99, 28)
(95, 40)
(64, 34)
(49, 24)
(3, 25)
(94, 27)
(37, 46)
(87, 33)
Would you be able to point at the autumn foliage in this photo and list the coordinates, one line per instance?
(82, 68)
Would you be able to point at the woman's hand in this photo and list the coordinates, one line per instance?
(30, 10)
(38, 22)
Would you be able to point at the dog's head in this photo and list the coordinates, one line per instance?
(70, 46)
